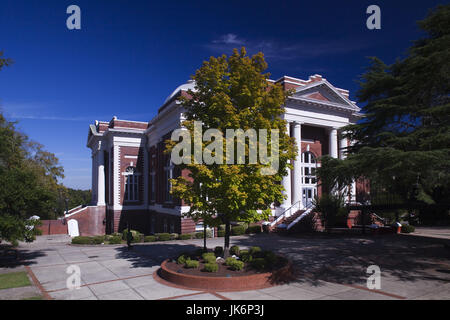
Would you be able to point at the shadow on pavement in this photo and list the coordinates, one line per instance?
(149, 255)
(344, 259)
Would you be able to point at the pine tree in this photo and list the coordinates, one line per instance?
(403, 143)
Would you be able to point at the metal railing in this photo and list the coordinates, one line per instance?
(309, 208)
(288, 212)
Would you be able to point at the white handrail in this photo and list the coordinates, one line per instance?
(287, 213)
(300, 217)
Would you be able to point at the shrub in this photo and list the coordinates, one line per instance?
(98, 239)
(115, 239)
(174, 236)
(209, 257)
(406, 228)
(254, 229)
(245, 256)
(163, 236)
(255, 250)
(138, 238)
(134, 233)
(271, 258)
(82, 240)
(207, 254)
(221, 233)
(211, 267)
(191, 264)
(236, 265)
(258, 263)
(185, 236)
(234, 250)
(218, 251)
(199, 235)
(237, 230)
(149, 239)
(221, 227)
(181, 259)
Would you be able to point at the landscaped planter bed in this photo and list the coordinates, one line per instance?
(224, 279)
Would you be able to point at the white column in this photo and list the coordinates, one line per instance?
(101, 178)
(333, 143)
(93, 180)
(297, 172)
(287, 179)
(343, 148)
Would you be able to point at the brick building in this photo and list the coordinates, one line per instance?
(130, 171)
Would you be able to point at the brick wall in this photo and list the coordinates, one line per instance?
(53, 227)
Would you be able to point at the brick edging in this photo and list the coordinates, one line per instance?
(38, 284)
(219, 284)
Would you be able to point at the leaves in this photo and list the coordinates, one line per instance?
(233, 93)
(403, 143)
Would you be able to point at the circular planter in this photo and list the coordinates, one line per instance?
(235, 283)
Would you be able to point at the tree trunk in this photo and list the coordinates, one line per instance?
(226, 248)
(204, 237)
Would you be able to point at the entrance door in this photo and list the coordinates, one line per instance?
(308, 195)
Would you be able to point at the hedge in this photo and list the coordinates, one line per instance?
(149, 239)
(237, 230)
(185, 236)
(115, 240)
(82, 240)
(254, 229)
(163, 236)
(136, 235)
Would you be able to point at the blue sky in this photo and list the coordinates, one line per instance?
(130, 55)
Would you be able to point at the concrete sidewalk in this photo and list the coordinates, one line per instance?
(329, 267)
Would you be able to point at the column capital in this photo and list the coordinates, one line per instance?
(297, 123)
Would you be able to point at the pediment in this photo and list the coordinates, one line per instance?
(316, 95)
(323, 92)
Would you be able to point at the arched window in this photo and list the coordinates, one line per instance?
(309, 165)
(131, 184)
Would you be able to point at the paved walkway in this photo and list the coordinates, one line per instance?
(328, 267)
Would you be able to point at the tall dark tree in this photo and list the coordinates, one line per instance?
(403, 143)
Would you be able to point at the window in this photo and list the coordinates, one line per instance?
(165, 225)
(168, 169)
(152, 185)
(309, 165)
(131, 184)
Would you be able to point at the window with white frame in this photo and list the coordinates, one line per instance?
(131, 184)
(309, 165)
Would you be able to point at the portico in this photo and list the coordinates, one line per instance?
(315, 114)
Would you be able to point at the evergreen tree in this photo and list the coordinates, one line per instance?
(403, 143)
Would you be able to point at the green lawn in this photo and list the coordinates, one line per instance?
(14, 280)
(34, 298)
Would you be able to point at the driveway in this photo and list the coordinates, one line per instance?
(327, 267)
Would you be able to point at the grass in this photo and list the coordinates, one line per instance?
(34, 298)
(14, 280)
